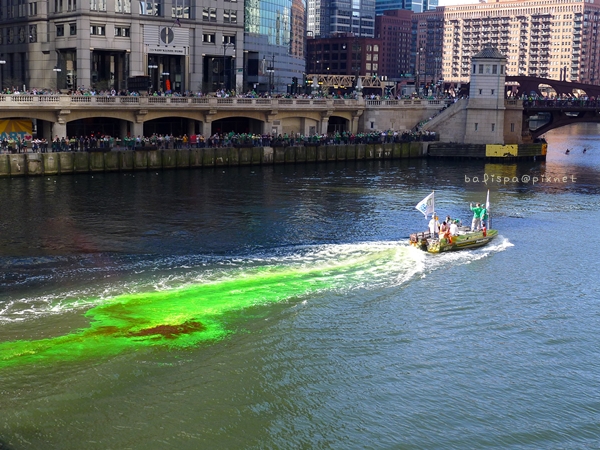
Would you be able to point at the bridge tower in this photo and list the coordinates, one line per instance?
(486, 108)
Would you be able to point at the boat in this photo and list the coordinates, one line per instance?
(464, 238)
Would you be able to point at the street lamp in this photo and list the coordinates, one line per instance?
(225, 78)
(2, 62)
(418, 81)
(151, 68)
(57, 70)
(271, 72)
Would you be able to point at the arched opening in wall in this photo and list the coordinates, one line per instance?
(337, 125)
(547, 91)
(238, 125)
(579, 93)
(98, 126)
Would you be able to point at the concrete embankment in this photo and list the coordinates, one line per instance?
(62, 163)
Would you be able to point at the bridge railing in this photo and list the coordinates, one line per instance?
(556, 103)
(100, 101)
(111, 101)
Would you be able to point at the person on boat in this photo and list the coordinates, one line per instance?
(484, 217)
(476, 222)
(454, 228)
(434, 225)
(567, 152)
(445, 232)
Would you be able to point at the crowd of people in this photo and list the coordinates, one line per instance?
(316, 94)
(99, 142)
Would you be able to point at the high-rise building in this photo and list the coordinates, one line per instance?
(428, 39)
(273, 43)
(329, 17)
(556, 39)
(343, 55)
(411, 5)
(394, 29)
(176, 44)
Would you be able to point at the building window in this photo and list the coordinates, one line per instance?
(33, 9)
(122, 31)
(474, 66)
(209, 14)
(60, 30)
(480, 91)
(512, 127)
(229, 40)
(98, 30)
(123, 6)
(476, 126)
(32, 33)
(501, 69)
(73, 29)
(230, 16)
(480, 68)
(151, 8)
(181, 9)
(58, 6)
(493, 90)
(22, 8)
(208, 38)
(98, 5)
(493, 127)
(494, 69)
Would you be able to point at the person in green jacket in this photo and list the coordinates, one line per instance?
(484, 217)
(476, 223)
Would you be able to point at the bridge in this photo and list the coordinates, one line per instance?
(75, 115)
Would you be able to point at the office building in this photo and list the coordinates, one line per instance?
(416, 6)
(556, 39)
(394, 29)
(330, 17)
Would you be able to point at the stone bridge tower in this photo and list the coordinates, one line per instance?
(485, 117)
(485, 109)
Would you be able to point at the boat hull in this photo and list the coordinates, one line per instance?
(473, 239)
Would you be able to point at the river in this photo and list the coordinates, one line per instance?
(281, 307)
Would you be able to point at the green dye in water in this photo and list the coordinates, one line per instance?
(187, 316)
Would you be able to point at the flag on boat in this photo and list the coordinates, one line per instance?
(487, 209)
(426, 206)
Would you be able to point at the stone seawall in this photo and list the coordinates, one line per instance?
(63, 163)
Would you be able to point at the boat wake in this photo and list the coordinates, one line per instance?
(189, 300)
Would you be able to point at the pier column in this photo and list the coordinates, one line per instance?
(325, 121)
(354, 122)
(137, 129)
(206, 128)
(58, 129)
